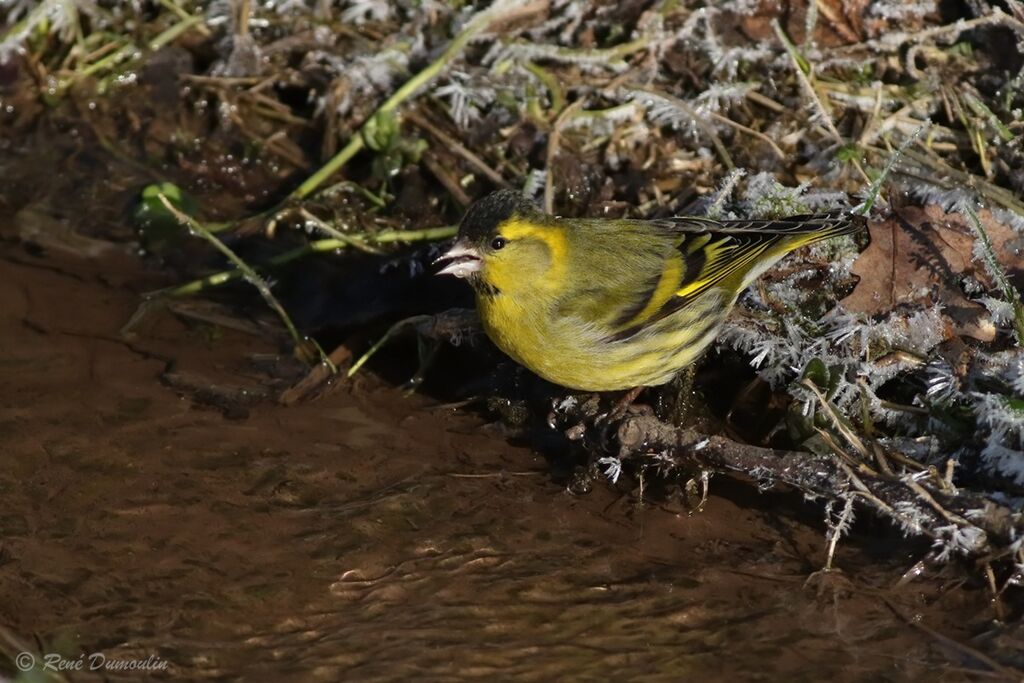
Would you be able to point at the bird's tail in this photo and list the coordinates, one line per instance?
(799, 231)
(808, 229)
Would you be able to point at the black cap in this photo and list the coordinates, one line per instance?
(485, 215)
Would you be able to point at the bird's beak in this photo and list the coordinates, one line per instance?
(463, 261)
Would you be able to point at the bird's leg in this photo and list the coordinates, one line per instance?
(675, 401)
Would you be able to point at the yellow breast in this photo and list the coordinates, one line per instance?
(569, 353)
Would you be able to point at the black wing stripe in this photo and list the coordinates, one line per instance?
(633, 310)
(693, 264)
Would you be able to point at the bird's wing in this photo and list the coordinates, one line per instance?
(827, 224)
(720, 255)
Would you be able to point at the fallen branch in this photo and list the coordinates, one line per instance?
(963, 522)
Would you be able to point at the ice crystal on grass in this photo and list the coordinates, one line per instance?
(699, 31)
(1011, 218)
(16, 9)
(288, 7)
(591, 61)
(1004, 447)
(62, 18)
(719, 96)
(900, 12)
(663, 111)
(1004, 459)
(716, 203)
(606, 122)
(1015, 375)
(768, 198)
(360, 11)
(565, 18)
(1001, 311)
(465, 98)
(534, 183)
(220, 13)
(839, 521)
(941, 384)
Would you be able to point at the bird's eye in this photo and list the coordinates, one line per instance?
(498, 243)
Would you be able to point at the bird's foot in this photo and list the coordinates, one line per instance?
(619, 408)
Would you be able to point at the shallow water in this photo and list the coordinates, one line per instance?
(368, 535)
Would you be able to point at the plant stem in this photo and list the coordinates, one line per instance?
(173, 32)
(994, 268)
(251, 275)
(315, 247)
(130, 50)
(480, 22)
(876, 187)
(551, 83)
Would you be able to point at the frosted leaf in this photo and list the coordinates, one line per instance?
(367, 75)
(954, 540)
(942, 383)
(951, 200)
(665, 113)
(698, 30)
(612, 468)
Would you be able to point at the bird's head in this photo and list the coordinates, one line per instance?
(505, 244)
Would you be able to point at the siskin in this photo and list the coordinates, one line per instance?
(606, 304)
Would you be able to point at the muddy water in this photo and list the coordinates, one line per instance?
(372, 536)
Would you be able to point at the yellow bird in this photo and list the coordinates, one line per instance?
(606, 304)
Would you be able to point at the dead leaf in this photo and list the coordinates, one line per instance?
(838, 16)
(39, 226)
(920, 255)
